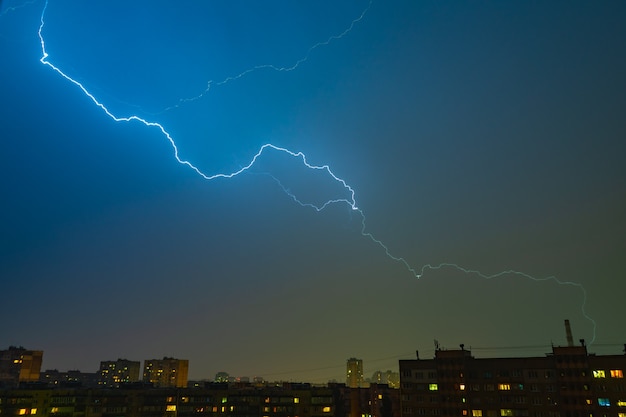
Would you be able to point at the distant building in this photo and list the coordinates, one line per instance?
(388, 377)
(19, 365)
(166, 372)
(223, 377)
(354, 373)
(116, 373)
(569, 382)
(54, 378)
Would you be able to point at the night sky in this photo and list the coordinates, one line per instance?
(488, 134)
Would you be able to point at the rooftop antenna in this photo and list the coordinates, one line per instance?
(568, 334)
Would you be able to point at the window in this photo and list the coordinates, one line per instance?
(621, 403)
(506, 412)
(170, 407)
(617, 373)
(604, 402)
(599, 373)
(477, 413)
(433, 387)
(326, 409)
(504, 387)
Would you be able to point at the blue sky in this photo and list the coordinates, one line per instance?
(485, 134)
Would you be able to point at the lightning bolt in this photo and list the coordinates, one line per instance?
(268, 147)
(9, 9)
(292, 67)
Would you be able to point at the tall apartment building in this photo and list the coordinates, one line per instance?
(569, 382)
(115, 373)
(19, 365)
(354, 373)
(166, 372)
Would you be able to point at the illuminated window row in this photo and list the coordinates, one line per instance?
(614, 373)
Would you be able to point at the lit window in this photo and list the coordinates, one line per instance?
(588, 401)
(296, 400)
(604, 402)
(621, 403)
(477, 413)
(380, 396)
(23, 411)
(599, 373)
(326, 409)
(54, 410)
(433, 387)
(504, 387)
(170, 407)
(617, 373)
(621, 414)
(462, 387)
(33, 411)
(506, 412)
(224, 400)
(464, 412)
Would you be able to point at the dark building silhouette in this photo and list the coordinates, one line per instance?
(211, 400)
(569, 382)
(55, 378)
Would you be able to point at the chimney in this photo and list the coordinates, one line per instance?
(568, 334)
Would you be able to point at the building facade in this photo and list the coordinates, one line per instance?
(19, 365)
(115, 373)
(354, 373)
(166, 372)
(213, 400)
(569, 382)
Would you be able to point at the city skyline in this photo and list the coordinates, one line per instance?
(471, 156)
